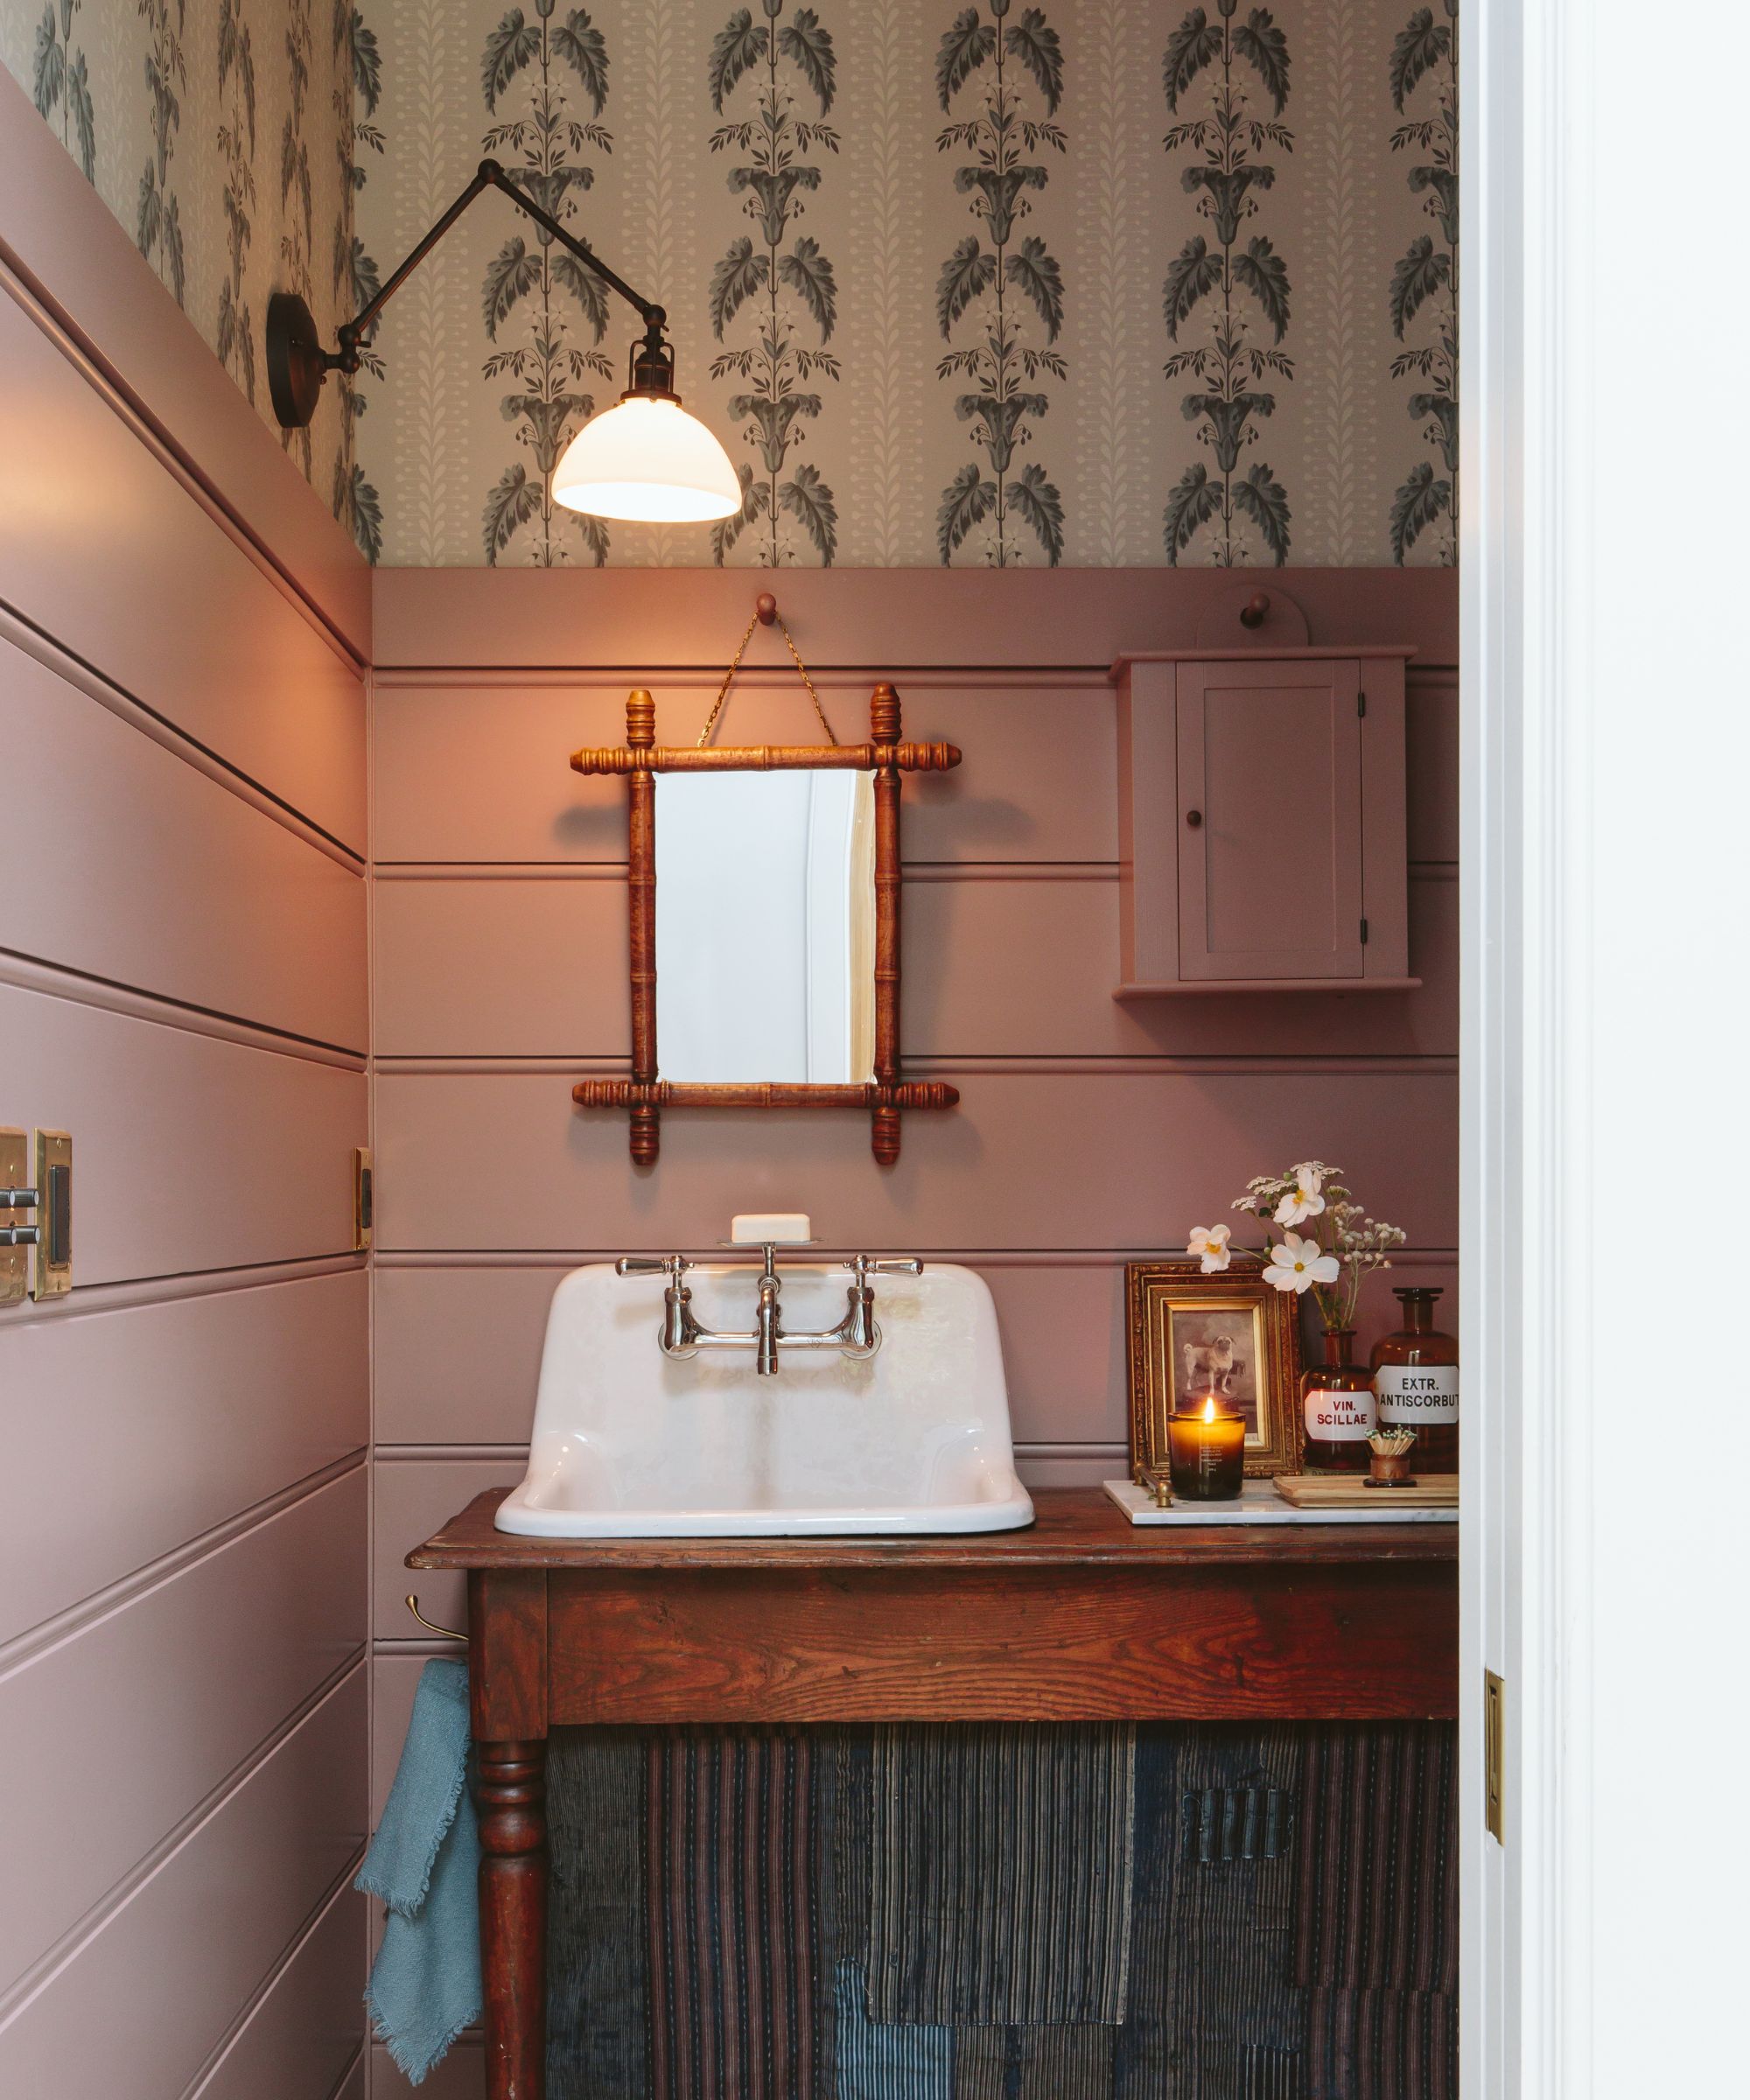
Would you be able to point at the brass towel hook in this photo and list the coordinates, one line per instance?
(446, 1633)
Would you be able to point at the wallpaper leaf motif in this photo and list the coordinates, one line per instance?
(996, 281)
(752, 280)
(358, 88)
(1297, 236)
(1236, 294)
(158, 232)
(59, 81)
(235, 331)
(175, 112)
(298, 209)
(1424, 284)
(556, 306)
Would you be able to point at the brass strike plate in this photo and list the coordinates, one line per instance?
(15, 1173)
(1493, 1755)
(53, 1277)
(364, 1199)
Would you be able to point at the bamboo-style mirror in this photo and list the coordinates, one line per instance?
(765, 877)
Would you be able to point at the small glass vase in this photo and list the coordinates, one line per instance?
(1337, 1404)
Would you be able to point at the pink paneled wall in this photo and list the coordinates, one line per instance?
(1091, 1132)
(182, 986)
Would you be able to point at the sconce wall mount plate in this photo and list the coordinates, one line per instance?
(297, 362)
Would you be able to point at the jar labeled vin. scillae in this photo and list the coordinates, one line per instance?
(1336, 1398)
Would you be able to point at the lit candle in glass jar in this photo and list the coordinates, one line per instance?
(1206, 1454)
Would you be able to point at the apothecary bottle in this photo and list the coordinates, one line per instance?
(1415, 1383)
(1336, 1398)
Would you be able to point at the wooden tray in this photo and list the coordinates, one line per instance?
(1259, 1504)
(1350, 1491)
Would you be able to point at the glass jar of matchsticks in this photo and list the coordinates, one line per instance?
(1388, 1461)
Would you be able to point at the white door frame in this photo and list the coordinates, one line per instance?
(1604, 1132)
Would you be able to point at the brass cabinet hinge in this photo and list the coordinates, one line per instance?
(1364, 933)
(1361, 704)
(1493, 1755)
(364, 1199)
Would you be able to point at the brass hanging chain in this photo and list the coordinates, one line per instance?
(735, 665)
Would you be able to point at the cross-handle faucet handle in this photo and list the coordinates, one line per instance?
(865, 1264)
(646, 1264)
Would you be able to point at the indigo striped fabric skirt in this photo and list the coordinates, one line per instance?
(1003, 1913)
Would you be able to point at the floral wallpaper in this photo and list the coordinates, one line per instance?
(220, 133)
(992, 283)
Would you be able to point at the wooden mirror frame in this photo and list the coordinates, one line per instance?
(639, 760)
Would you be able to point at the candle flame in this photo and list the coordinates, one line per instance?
(1209, 1409)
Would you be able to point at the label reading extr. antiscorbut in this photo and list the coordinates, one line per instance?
(1413, 1394)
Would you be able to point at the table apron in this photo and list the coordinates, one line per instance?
(1365, 1641)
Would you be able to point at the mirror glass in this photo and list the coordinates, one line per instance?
(766, 927)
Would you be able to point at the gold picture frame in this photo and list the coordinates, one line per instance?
(1231, 1335)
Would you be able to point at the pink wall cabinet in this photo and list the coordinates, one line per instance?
(1262, 822)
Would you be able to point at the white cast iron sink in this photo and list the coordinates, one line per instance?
(629, 1444)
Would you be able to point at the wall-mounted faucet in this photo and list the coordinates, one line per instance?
(680, 1333)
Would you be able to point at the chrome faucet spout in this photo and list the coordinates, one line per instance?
(766, 1326)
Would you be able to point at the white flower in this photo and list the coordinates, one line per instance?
(1302, 1201)
(1211, 1243)
(1299, 1264)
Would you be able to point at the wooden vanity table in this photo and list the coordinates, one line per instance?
(1081, 1617)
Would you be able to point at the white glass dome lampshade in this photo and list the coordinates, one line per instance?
(648, 460)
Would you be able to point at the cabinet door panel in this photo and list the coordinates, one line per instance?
(1269, 873)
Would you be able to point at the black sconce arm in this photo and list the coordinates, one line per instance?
(298, 364)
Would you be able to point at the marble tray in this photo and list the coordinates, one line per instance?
(1259, 1503)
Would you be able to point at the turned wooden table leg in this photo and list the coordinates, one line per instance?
(513, 1797)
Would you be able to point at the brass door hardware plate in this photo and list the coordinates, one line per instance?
(53, 1277)
(1493, 1754)
(364, 1198)
(18, 1200)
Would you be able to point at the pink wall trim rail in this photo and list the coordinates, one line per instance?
(890, 619)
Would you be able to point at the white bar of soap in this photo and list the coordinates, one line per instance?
(755, 1227)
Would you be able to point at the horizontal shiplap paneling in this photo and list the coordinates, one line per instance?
(480, 772)
(182, 619)
(1432, 762)
(110, 296)
(458, 1351)
(459, 1344)
(140, 2006)
(462, 2075)
(1018, 962)
(195, 1673)
(184, 1412)
(1090, 1158)
(189, 1151)
(307, 2028)
(471, 771)
(413, 1497)
(175, 885)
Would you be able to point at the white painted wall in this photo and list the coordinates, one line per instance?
(1605, 1009)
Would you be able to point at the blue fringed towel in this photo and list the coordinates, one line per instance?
(423, 1864)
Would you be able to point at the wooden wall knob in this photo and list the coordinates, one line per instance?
(766, 608)
(1193, 817)
(1253, 611)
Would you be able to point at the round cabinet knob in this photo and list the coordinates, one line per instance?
(1193, 817)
